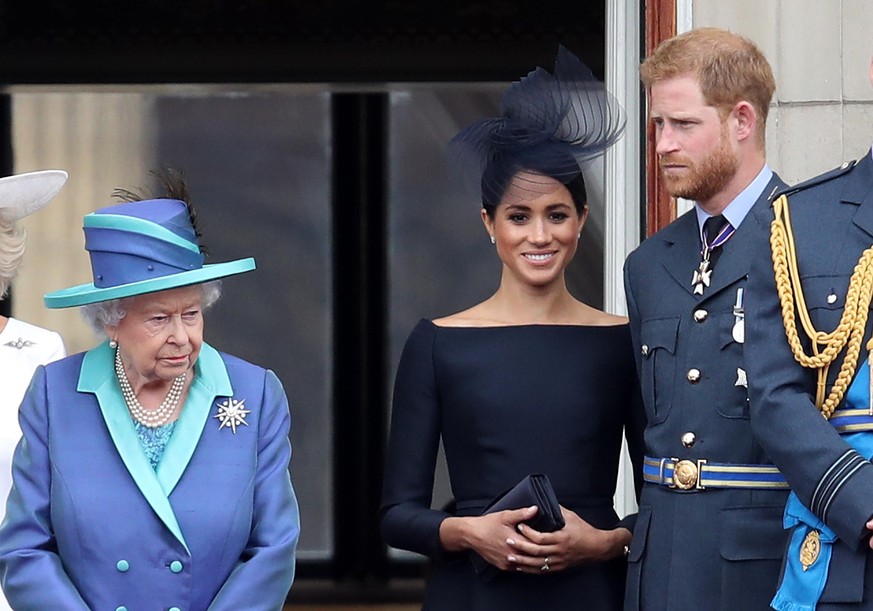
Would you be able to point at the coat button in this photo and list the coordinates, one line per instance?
(175, 609)
(122, 566)
(688, 439)
(176, 566)
(700, 315)
(644, 349)
(693, 375)
(832, 298)
(121, 608)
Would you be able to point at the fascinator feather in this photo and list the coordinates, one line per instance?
(550, 124)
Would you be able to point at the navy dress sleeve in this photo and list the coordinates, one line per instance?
(634, 427)
(407, 520)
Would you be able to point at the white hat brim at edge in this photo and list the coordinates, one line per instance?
(23, 194)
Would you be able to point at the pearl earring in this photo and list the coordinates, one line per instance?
(113, 344)
(493, 240)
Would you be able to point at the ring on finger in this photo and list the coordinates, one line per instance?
(545, 566)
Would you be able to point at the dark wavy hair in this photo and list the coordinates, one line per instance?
(500, 173)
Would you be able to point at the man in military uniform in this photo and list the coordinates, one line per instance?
(709, 533)
(809, 356)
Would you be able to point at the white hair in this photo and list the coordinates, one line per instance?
(12, 238)
(110, 313)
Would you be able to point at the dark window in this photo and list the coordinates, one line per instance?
(313, 139)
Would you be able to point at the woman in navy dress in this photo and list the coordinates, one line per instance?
(531, 380)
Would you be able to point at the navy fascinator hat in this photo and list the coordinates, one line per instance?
(550, 124)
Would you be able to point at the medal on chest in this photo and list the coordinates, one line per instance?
(702, 275)
(810, 549)
(739, 330)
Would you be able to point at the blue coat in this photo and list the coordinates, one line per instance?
(832, 218)
(90, 525)
(700, 549)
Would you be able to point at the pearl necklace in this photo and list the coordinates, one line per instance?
(155, 417)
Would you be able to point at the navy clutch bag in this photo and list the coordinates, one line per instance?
(535, 489)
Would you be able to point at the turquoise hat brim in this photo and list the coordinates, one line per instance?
(84, 294)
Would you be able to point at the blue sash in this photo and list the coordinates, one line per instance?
(801, 588)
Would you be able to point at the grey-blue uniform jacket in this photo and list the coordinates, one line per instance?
(832, 218)
(702, 547)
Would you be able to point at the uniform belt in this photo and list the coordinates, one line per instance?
(701, 474)
(852, 420)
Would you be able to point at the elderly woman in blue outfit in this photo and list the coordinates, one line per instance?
(153, 470)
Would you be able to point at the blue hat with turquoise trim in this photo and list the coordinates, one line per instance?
(142, 247)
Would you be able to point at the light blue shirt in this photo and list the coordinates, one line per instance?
(737, 210)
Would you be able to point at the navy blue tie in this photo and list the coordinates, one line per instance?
(713, 229)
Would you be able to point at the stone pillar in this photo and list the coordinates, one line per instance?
(102, 138)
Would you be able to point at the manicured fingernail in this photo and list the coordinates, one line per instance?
(520, 527)
(511, 558)
(510, 541)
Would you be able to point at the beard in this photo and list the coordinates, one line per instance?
(701, 182)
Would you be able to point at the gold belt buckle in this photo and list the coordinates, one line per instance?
(686, 474)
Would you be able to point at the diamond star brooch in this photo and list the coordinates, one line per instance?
(232, 413)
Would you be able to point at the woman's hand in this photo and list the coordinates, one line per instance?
(576, 543)
(492, 535)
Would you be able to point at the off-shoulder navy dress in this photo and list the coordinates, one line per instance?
(509, 401)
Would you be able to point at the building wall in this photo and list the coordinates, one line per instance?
(820, 51)
(95, 136)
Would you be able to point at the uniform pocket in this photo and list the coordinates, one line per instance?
(826, 298)
(851, 567)
(658, 365)
(635, 555)
(752, 543)
(729, 377)
(752, 533)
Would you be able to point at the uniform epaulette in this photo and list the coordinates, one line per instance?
(815, 180)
